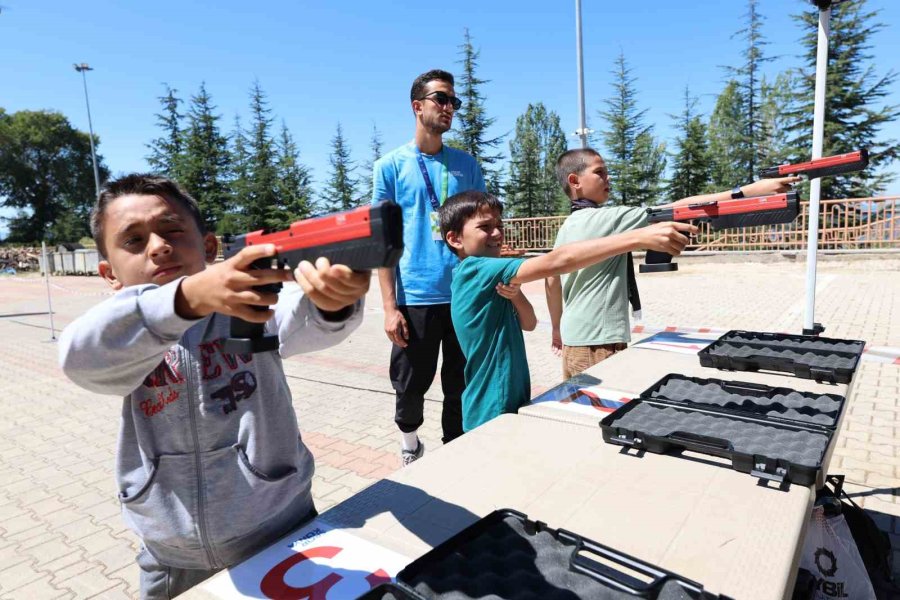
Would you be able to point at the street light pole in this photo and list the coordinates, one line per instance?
(582, 130)
(81, 68)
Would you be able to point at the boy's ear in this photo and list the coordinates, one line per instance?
(210, 247)
(106, 272)
(454, 241)
(573, 181)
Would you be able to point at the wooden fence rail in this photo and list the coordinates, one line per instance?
(851, 224)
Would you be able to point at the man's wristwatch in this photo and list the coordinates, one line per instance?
(737, 193)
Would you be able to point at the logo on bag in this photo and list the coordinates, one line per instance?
(829, 555)
(826, 562)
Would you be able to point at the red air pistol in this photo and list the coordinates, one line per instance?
(370, 237)
(822, 167)
(722, 214)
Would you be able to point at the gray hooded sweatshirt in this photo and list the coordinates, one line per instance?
(210, 466)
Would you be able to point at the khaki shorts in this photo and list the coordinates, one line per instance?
(579, 358)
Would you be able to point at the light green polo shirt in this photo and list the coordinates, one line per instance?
(595, 299)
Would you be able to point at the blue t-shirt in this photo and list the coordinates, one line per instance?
(425, 269)
(488, 329)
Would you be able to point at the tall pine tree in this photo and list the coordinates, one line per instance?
(472, 122)
(166, 150)
(532, 189)
(375, 145)
(690, 163)
(749, 77)
(855, 107)
(204, 164)
(234, 220)
(262, 208)
(294, 181)
(727, 140)
(634, 158)
(340, 191)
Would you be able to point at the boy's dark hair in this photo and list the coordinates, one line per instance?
(572, 161)
(418, 86)
(142, 184)
(461, 207)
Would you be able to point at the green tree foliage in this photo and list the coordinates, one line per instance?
(234, 221)
(726, 140)
(375, 145)
(855, 108)
(47, 176)
(634, 158)
(472, 122)
(690, 162)
(773, 147)
(205, 160)
(532, 189)
(749, 78)
(262, 206)
(294, 182)
(166, 150)
(340, 191)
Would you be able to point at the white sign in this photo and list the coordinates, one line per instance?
(317, 563)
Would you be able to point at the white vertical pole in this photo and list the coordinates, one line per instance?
(815, 186)
(47, 279)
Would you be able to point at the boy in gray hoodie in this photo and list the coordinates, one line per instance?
(210, 465)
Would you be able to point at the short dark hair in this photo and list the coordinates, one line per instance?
(461, 207)
(418, 86)
(142, 184)
(572, 161)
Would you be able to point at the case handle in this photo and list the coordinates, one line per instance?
(581, 562)
(738, 386)
(700, 440)
(772, 363)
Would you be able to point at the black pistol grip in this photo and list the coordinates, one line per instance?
(246, 337)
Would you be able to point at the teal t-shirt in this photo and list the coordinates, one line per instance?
(595, 298)
(487, 326)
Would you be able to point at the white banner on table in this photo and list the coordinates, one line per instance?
(318, 563)
(680, 342)
(582, 395)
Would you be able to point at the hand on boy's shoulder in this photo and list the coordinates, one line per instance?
(331, 287)
(228, 287)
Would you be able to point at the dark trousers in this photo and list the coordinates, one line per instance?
(413, 369)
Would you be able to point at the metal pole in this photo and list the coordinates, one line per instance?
(815, 186)
(47, 279)
(582, 127)
(81, 69)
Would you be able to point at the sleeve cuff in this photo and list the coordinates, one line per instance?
(157, 307)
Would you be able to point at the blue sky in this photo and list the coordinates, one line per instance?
(353, 62)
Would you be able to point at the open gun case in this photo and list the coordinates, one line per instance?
(507, 556)
(773, 433)
(823, 359)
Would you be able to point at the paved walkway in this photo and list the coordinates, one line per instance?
(61, 535)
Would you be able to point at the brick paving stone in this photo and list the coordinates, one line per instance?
(39, 588)
(57, 465)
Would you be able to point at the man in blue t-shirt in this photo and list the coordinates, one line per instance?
(489, 311)
(420, 176)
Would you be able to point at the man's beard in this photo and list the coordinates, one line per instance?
(436, 126)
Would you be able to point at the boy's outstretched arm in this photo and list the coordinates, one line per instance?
(553, 291)
(762, 187)
(670, 238)
(524, 309)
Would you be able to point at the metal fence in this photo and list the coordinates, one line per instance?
(852, 224)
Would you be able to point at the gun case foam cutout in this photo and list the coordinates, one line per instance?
(771, 449)
(507, 556)
(828, 360)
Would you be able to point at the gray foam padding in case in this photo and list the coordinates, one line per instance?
(853, 347)
(808, 408)
(834, 361)
(508, 563)
(797, 446)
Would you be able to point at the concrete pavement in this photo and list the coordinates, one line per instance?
(61, 535)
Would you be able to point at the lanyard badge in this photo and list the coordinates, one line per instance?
(432, 196)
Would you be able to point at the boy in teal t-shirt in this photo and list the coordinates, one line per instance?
(489, 310)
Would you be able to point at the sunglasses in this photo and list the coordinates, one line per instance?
(442, 98)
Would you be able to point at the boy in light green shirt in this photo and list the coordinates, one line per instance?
(489, 310)
(589, 307)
